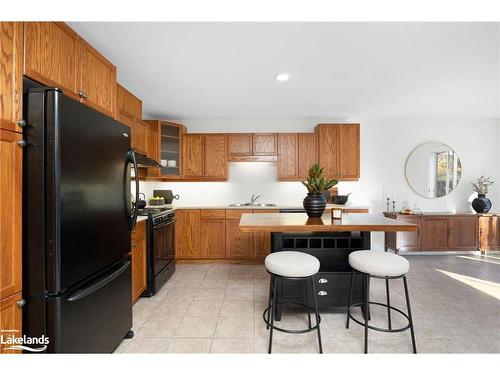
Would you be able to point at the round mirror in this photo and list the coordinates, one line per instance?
(433, 170)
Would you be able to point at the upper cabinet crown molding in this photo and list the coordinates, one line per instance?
(57, 56)
(11, 75)
(339, 150)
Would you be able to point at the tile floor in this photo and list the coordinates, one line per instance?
(217, 308)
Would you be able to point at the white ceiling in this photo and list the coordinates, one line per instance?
(337, 70)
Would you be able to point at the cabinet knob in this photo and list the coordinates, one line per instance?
(21, 303)
(322, 281)
(21, 123)
(322, 293)
(82, 95)
(21, 143)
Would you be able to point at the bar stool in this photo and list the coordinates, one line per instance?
(379, 265)
(291, 265)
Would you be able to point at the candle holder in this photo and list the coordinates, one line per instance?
(388, 204)
(394, 207)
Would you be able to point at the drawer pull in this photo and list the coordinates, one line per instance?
(322, 293)
(322, 281)
(21, 303)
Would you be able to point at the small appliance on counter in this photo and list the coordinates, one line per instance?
(340, 199)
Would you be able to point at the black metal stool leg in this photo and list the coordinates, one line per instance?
(307, 303)
(350, 299)
(388, 303)
(272, 314)
(409, 316)
(269, 301)
(365, 282)
(317, 315)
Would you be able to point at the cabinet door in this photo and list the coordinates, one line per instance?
(213, 238)
(434, 233)
(462, 232)
(51, 55)
(328, 153)
(239, 144)
(11, 75)
(215, 156)
(238, 245)
(262, 241)
(192, 155)
(10, 320)
(307, 153)
(187, 234)
(139, 278)
(489, 232)
(264, 144)
(97, 80)
(408, 241)
(152, 141)
(11, 219)
(139, 136)
(287, 164)
(348, 146)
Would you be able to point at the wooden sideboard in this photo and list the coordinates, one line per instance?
(446, 232)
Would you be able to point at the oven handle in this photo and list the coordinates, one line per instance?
(165, 224)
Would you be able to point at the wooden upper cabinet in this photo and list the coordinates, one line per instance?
(97, 80)
(462, 232)
(288, 162)
(349, 151)
(434, 233)
(127, 103)
(11, 219)
(139, 136)
(193, 155)
(152, 143)
(339, 150)
(264, 144)
(56, 56)
(215, 159)
(187, 234)
(307, 153)
(239, 144)
(52, 55)
(11, 75)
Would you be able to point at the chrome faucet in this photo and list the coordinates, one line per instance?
(253, 199)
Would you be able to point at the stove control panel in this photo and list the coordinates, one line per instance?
(164, 217)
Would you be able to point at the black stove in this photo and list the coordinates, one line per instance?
(161, 247)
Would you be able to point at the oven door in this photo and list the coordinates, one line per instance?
(163, 246)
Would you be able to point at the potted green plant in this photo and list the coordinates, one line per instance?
(316, 184)
(481, 204)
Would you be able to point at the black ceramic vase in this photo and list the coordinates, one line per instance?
(314, 204)
(481, 204)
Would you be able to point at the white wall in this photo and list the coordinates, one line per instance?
(385, 145)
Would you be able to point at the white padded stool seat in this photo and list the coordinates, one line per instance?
(378, 263)
(292, 264)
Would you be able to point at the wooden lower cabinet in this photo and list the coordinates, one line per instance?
(139, 256)
(439, 232)
(238, 245)
(187, 234)
(10, 319)
(213, 238)
(489, 233)
(262, 241)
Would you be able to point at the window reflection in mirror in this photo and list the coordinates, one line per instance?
(433, 170)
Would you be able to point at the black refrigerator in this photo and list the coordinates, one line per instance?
(77, 219)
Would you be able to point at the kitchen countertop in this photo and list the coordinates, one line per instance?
(141, 218)
(277, 207)
(298, 222)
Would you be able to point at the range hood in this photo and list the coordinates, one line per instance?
(144, 161)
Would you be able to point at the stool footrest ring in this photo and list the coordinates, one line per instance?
(360, 304)
(294, 331)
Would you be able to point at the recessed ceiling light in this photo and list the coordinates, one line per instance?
(282, 77)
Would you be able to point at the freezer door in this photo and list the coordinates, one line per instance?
(93, 318)
(88, 191)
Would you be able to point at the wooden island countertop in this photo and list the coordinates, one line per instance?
(300, 222)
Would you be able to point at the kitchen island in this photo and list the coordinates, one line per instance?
(331, 241)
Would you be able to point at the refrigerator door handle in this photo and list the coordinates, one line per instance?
(132, 159)
(82, 293)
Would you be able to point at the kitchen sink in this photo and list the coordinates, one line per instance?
(252, 205)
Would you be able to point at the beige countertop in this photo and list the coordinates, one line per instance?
(277, 207)
(141, 218)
